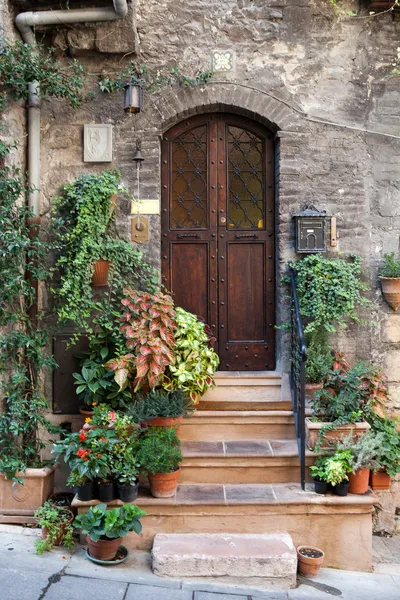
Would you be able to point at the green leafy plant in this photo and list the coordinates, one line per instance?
(100, 523)
(333, 469)
(160, 403)
(159, 450)
(57, 523)
(330, 291)
(195, 359)
(364, 451)
(22, 64)
(152, 81)
(319, 362)
(125, 461)
(24, 341)
(149, 325)
(389, 451)
(317, 470)
(391, 266)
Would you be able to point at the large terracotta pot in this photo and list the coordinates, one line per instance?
(164, 422)
(103, 549)
(100, 275)
(380, 480)
(359, 481)
(21, 500)
(63, 527)
(311, 388)
(86, 412)
(308, 566)
(313, 429)
(163, 485)
(391, 291)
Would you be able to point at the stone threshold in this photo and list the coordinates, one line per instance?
(242, 448)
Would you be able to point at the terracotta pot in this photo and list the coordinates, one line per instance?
(164, 422)
(359, 481)
(307, 565)
(380, 480)
(23, 499)
(103, 549)
(63, 527)
(63, 499)
(311, 388)
(86, 412)
(163, 485)
(391, 291)
(113, 204)
(313, 429)
(100, 275)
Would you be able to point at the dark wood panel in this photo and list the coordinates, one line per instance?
(246, 294)
(190, 277)
(65, 400)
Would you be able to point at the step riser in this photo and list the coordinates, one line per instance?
(239, 475)
(243, 393)
(197, 430)
(229, 403)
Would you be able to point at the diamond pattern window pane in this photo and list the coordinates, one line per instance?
(189, 180)
(245, 180)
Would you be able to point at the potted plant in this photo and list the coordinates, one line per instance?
(345, 404)
(56, 524)
(337, 468)
(161, 408)
(159, 455)
(364, 451)
(105, 529)
(389, 452)
(389, 275)
(310, 560)
(124, 460)
(318, 365)
(318, 474)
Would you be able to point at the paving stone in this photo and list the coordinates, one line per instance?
(22, 585)
(283, 447)
(212, 596)
(83, 588)
(244, 493)
(202, 494)
(148, 592)
(255, 558)
(202, 448)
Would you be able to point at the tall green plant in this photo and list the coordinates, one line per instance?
(24, 341)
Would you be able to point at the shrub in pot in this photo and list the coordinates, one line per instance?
(318, 365)
(389, 452)
(105, 529)
(161, 408)
(159, 455)
(364, 451)
(125, 463)
(318, 474)
(337, 468)
(56, 524)
(389, 275)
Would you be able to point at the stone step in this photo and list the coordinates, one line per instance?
(266, 560)
(266, 390)
(270, 461)
(228, 425)
(340, 526)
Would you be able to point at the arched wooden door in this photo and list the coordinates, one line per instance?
(218, 233)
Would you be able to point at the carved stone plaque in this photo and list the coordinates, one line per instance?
(97, 143)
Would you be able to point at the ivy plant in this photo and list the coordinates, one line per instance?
(330, 291)
(24, 341)
(22, 64)
(57, 521)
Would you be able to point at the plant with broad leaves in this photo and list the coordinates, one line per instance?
(333, 469)
(148, 323)
(195, 359)
(100, 523)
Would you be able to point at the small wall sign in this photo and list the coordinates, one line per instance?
(97, 143)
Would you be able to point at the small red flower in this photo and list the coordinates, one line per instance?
(82, 436)
(81, 453)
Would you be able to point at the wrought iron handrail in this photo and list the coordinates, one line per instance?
(297, 376)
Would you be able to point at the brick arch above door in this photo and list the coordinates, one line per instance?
(218, 250)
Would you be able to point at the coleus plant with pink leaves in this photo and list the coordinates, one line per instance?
(149, 323)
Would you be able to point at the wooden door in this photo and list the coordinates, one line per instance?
(218, 233)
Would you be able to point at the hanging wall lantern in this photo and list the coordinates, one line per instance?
(310, 231)
(133, 100)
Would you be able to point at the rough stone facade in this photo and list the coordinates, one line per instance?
(317, 78)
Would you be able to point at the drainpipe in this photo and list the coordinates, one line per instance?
(25, 22)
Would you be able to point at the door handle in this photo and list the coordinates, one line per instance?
(187, 235)
(245, 235)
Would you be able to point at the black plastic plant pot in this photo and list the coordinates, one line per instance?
(128, 493)
(341, 489)
(106, 492)
(86, 491)
(320, 487)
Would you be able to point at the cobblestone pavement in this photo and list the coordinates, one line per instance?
(61, 576)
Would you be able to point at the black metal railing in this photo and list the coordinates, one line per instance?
(297, 376)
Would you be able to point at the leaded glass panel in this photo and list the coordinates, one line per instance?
(245, 180)
(189, 180)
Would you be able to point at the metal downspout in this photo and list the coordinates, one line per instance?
(25, 23)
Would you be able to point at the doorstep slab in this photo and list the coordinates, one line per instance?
(270, 558)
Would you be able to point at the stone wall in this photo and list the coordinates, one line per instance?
(315, 77)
